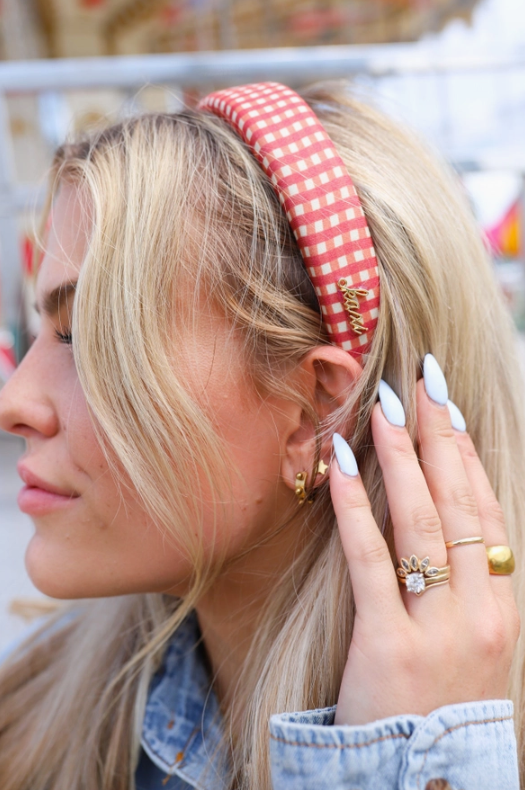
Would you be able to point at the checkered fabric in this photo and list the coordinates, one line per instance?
(320, 201)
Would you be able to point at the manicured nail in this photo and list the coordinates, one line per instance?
(435, 383)
(456, 418)
(345, 456)
(391, 405)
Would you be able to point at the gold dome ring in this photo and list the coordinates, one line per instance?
(500, 558)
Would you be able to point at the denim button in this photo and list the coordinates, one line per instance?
(438, 784)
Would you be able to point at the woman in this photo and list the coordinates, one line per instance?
(179, 422)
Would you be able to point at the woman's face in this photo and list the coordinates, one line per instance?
(92, 535)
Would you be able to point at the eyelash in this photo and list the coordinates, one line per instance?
(64, 337)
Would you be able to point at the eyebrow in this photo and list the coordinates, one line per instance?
(53, 301)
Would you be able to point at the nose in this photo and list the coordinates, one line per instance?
(26, 409)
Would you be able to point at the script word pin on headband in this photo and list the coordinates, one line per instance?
(320, 202)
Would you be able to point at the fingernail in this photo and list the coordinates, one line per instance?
(435, 383)
(456, 418)
(345, 456)
(391, 405)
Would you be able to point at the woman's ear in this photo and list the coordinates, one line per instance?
(328, 374)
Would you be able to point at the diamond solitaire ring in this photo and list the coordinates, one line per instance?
(418, 574)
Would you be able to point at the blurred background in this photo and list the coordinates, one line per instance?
(452, 69)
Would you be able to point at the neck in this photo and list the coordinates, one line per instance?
(231, 610)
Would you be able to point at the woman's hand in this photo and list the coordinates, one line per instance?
(454, 643)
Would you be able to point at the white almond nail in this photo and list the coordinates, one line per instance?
(345, 456)
(435, 383)
(391, 405)
(456, 418)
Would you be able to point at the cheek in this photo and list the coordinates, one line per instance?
(84, 447)
(104, 544)
(255, 451)
(252, 436)
(108, 545)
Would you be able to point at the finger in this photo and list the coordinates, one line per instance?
(417, 528)
(374, 583)
(490, 513)
(448, 483)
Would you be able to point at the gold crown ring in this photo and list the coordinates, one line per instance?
(417, 575)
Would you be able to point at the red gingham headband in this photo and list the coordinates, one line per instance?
(320, 201)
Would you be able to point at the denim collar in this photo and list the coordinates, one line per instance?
(182, 729)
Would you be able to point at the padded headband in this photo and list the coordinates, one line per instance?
(319, 199)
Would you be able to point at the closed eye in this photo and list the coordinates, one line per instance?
(64, 337)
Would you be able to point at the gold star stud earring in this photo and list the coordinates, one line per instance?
(322, 467)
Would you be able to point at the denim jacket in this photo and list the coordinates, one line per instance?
(472, 745)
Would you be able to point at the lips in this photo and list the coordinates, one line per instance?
(33, 481)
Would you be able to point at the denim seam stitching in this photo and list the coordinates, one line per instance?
(452, 729)
(338, 745)
(177, 765)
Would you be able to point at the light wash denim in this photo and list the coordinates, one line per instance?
(472, 746)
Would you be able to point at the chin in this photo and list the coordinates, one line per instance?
(48, 575)
(66, 574)
(58, 574)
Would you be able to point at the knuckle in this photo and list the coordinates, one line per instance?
(445, 433)
(468, 451)
(402, 449)
(356, 499)
(355, 509)
(491, 509)
(492, 638)
(464, 501)
(426, 521)
(374, 553)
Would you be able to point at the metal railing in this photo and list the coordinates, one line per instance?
(196, 70)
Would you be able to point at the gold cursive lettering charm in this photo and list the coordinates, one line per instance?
(351, 296)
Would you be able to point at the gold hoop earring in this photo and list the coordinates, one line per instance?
(300, 486)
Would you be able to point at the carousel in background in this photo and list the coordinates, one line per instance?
(73, 28)
(38, 122)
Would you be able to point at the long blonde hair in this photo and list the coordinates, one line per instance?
(179, 198)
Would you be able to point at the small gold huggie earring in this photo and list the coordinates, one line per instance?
(300, 486)
(301, 480)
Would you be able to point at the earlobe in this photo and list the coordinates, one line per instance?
(328, 375)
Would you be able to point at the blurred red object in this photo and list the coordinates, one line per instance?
(27, 256)
(7, 356)
(318, 20)
(505, 237)
(29, 265)
(172, 14)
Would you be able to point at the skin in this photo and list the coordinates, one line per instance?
(455, 642)
(99, 541)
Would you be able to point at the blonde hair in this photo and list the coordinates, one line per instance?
(176, 197)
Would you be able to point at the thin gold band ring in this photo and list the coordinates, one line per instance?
(500, 558)
(463, 542)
